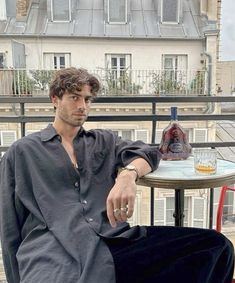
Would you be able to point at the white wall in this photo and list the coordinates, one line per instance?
(90, 53)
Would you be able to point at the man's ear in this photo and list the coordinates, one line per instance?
(54, 100)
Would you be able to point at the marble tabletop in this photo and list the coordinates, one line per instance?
(180, 175)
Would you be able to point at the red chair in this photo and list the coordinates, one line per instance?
(220, 207)
(220, 210)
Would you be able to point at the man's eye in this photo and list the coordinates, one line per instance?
(88, 100)
(74, 97)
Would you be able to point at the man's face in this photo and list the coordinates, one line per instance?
(73, 108)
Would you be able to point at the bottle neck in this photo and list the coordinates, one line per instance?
(174, 116)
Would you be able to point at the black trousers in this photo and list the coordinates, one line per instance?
(174, 255)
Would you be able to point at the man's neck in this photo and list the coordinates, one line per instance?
(67, 132)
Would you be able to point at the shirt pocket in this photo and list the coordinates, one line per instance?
(99, 159)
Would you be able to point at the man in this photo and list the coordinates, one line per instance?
(66, 194)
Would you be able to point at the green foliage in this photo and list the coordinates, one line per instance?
(22, 84)
(42, 78)
(119, 84)
(198, 83)
(163, 82)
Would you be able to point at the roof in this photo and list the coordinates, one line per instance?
(88, 20)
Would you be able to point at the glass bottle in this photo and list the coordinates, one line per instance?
(174, 143)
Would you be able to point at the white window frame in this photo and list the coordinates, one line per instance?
(140, 132)
(60, 21)
(160, 221)
(7, 132)
(203, 220)
(120, 23)
(177, 16)
(48, 59)
(3, 55)
(119, 132)
(3, 11)
(195, 130)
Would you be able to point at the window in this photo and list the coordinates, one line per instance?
(118, 76)
(61, 10)
(175, 66)
(164, 210)
(170, 11)
(118, 63)
(56, 61)
(200, 135)
(117, 11)
(3, 15)
(7, 137)
(228, 209)
(174, 74)
(2, 61)
(199, 212)
(125, 134)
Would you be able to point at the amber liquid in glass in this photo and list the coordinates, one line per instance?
(174, 144)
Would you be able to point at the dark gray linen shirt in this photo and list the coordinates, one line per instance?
(52, 216)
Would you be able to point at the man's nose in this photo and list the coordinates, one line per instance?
(81, 103)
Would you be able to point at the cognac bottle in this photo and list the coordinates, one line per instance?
(174, 144)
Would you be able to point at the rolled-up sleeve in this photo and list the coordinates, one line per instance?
(127, 151)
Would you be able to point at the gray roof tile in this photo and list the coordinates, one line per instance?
(88, 20)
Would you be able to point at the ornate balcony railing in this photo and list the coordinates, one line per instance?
(20, 82)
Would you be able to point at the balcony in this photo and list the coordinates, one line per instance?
(24, 111)
(114, 82)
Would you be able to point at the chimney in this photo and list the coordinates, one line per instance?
(22, 9)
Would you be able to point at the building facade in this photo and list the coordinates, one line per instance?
(136, 47)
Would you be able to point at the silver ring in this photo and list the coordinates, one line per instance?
(124, 209)
(116, 211)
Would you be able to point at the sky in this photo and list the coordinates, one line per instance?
(227, 43)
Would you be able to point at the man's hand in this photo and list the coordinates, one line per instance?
(121, 199)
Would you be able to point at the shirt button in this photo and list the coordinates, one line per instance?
(76, 184)
(84, 201)
(90, 219)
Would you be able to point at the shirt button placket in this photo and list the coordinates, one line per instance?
(76, 185)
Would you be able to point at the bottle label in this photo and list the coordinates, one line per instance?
(176, 147)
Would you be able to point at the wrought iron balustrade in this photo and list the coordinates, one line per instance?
(154, 117)
(22, 82)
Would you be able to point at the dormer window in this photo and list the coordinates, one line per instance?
(117, 11)
(3, 15)
(170, 11)
(60, 10)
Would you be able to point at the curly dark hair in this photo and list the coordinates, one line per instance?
(72, 79)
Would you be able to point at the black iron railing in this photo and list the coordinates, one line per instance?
(154, 117)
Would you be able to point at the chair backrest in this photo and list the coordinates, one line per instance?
(221, 206)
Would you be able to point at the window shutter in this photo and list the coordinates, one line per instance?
(142, 135)
(48, 61)
(216, 204)
(3, 10)
(200, 135)
(182, 62)
(108, 61)
(160, 211)
(128, 61)
(158, 136)
(7, 137)
(67, 60)
(199, 212)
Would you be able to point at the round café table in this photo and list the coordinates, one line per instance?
(179, 175)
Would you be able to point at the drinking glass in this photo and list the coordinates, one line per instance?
(205, 161)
